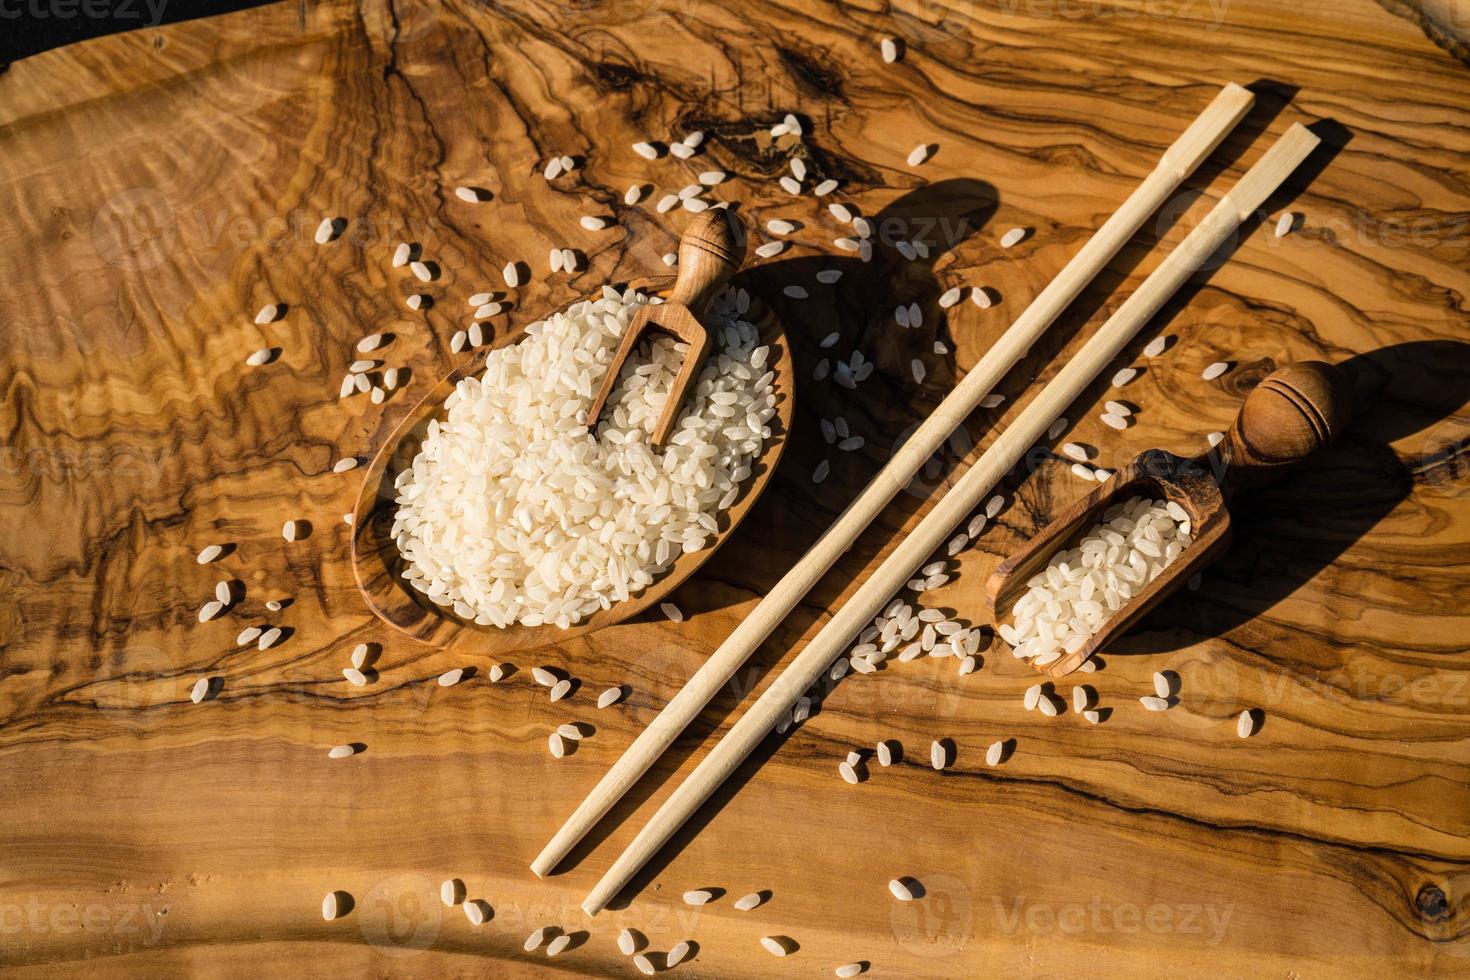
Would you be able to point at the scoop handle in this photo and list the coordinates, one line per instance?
(710, 253)
(1295, 411)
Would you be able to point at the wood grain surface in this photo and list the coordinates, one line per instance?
(161, 186)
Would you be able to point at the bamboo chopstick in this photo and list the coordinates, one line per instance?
(1242, 200)
(1196, 143)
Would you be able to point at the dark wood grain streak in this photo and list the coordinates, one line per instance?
(161, 186)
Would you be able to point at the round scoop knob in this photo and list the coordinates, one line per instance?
(710, 252)
(1293, 412)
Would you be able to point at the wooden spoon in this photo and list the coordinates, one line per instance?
(378, 566)
(709, 254)
(1289, 415)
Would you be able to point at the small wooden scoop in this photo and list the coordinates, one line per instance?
(1293, 412)
(709, 254)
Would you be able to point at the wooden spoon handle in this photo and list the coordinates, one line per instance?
(710, 253)
(1292, 413)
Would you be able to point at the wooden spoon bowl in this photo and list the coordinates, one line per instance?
(378, 566)
(1292, 413)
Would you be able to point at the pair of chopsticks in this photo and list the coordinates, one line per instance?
(1192, 147)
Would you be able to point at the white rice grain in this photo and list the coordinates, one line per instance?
(748, 902)
(451, 892)
(1162, 687)
(938, 756)
(1245, 725)
(774, 945)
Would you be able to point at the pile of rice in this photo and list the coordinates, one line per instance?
(1083, 586)
(514, 511)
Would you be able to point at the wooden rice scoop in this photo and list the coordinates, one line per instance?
(1288, 416)
(709, 254)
